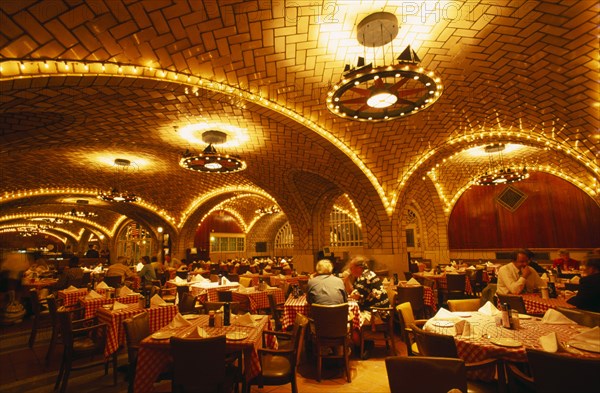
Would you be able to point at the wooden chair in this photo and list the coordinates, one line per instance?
(183, 274)
(476, 279)
(455, 287)
(518, 380)
(136, 329)
(425, 374)
(408, 275)
(463, 304)
(276, 311)
(199, 365)
(440, 345)
(488, 294)
(550, 371)
(224, 295)
(284, 339)
(41, 315)
(407, 318)
(331, 330)
(187, 304)
(81, 341)
(514, 301)
(380, 327)
(278, 367)
(413, 295)
(113, 281)
(56, 337)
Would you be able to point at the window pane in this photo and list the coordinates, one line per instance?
(410, 238)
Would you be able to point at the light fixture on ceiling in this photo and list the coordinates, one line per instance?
(210, 161)
(121, 167)
(82, 214)
(268, 210)
(496, 171)
(386, 92)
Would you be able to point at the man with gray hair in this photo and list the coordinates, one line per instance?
(324, 287)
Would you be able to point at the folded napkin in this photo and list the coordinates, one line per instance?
(450, 269)
(385, 281)
(126, 292)
(139, 267)
(157, 301)
(178, 281)
(575, 280)
(412, 281)
(97, 269)
(544, 277)
(471, 267)
(102, 285)
(489, 264)
(225, 281)
(453, 263)
(247, 273)
(550, 342)
(488, 309)
(198, 333)
(178, 321)
(463, 328)
(426, 273)
(199, 278)
(446, 315)
(93, 295)
(591, 336)
(462, 269)
(119, 306)
(71, 288)
(553, 317)
(244, 320)
(243, 289)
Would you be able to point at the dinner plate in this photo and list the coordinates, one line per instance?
(506, 342)
(189, 317)
(107, 306)
(525, 316)
(162, 335)
(236, 336)
(585, 346)
(444, 324)
(463, 314)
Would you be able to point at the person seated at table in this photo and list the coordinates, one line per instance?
(517, 277)
(92, 252)
(324, 287)
(37, 268)
(120, 268)
(158, 266)
(533, 264)
(565, 262)
(147, 272)
(71, 275)
(588, 294)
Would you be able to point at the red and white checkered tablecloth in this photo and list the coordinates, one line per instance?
(534, 304)
(210, 289)
(257, 300)
(154, 356)
(277, 280)
(478, 346)
(158, 316)
(91, 306)
(71, 297)
(429, 298)
(293, 306)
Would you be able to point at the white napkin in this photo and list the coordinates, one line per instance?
(198, 278)
(93, 295)
(453, 264)
(385, 281)
(553, 317)
(426, 273)
(450, 269)
(471, 267)
(178, 321)
(489, 264)
(488, 309)
(446, 315)
(71, 289)
(119, 306)
(550, 343)
(139, 267)
(198, 333)
(225, 281)
(575, 280)
(463, 328)
(243, 289)
(157, 301)
(102, 285)
(178, 281)
(245, 320)
(247, 273)
(126, 292)
(97, 269)
(412, 281)
(591, 336)
(544, 277)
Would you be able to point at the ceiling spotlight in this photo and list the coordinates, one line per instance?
(210, 161)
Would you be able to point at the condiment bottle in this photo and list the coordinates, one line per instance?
(211, 319)
(506, 316)
(226, 313)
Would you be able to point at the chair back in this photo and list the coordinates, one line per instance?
(487, 294)
(434, 344)
(113, 281)
(137, 328)
(246, 281)
(463, 304)
(570, 286)
(413, 295)
(582, 317)
(187, 303)
(95, 344)
(298, 331)
(225, 295)
(275, 312)
(330, 321)
(514, 301)
(87, 279)
(407, 275)
(215, 306)
(214, 278)
(183, 274)
(406, 315)
(233, 277)
(198, 364)
(550, 370)
(456, 283)
(425, 374)
(243, 269)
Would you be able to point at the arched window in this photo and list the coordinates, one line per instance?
(413, 231)
(134, 242)
(285, 237)
(343, 230)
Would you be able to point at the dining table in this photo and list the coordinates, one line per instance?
(487, 339)
(70, 297)
(90, 306)
(158, 316)
(253, 300)
(294, 305)
(154, 354)
(210, 289)
(535, 304)
(39, 283)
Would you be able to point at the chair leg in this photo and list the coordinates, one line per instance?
(319, 362)
(51, 346)
(34, 328)
(362, 346)
(294, 384)
(65, 381)
(347, 363)
(60, 374)
(114, 356)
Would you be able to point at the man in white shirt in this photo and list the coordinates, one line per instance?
(517, 277)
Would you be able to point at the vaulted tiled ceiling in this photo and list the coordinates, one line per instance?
(521, 71)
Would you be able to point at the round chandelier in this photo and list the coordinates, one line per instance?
(387, 92)
(497, 172)
(121, 167)
(210, 161)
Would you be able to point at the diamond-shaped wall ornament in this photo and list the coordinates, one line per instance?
(511, 198)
